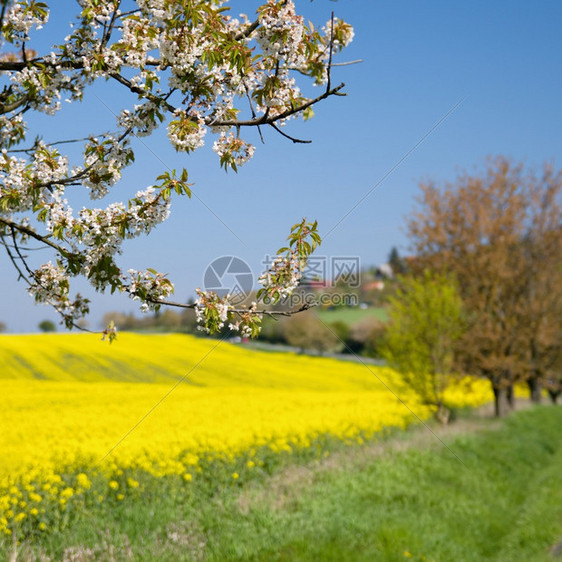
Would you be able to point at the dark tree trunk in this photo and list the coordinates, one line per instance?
(501, 402)
(443, 414)
(510, 396)
(535, 390)
(554, 395)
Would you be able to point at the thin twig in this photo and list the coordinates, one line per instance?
(295, 140)
(347, 63)
(29, 232)
(32, 148)
(265, 120)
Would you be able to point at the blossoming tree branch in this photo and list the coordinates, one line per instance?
(187, 65)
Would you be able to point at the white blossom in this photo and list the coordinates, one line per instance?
(197, 75)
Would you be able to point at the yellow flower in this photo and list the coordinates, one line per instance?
(67, 493)
(191, 459)
(42, 526)
(34, 511)
(83, 481)
(19, 517)
(120, 496)
(298, 400)
(235, 475)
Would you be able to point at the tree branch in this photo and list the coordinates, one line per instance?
(30, 232)
(7, 108)
(109, 29)
(271, 313)
(247, 32)
(266, 120)
(295, 140)
(136, 90)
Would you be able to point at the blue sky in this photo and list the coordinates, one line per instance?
(498, 64)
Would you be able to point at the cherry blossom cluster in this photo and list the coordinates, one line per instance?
(11, 131)
(282, 277)
(189, 66)
(21, 18)
(233, 151)
(281, 32)
(103, 161)
(340, 32)
(143, 120)
(186, 133)
(212, 311)
(22, 181)
(50, 285)
(150, 287)
(248, 322)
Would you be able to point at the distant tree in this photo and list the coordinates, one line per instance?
(365, 337)
(341, 330)
(540, 311)
(169, 320)
(553, 385)
(188, 321)
(426, 323)
(374, 343)
(47, 326)
(272, 331)
(122, 321)
(306, 332)
(396, 262)
(476, 228)
(3, 327)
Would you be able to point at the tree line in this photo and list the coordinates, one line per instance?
(484, 295)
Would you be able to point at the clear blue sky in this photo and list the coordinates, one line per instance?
(502, 60)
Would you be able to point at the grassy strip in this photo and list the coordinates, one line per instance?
(407, 498)
(352, 316)
(504, 503)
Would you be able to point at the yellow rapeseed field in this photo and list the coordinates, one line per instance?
(74, 407)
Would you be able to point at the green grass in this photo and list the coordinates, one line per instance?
(407, 498)
(351, 316)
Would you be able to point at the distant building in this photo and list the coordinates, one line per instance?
(377, 285)
(384, 271)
